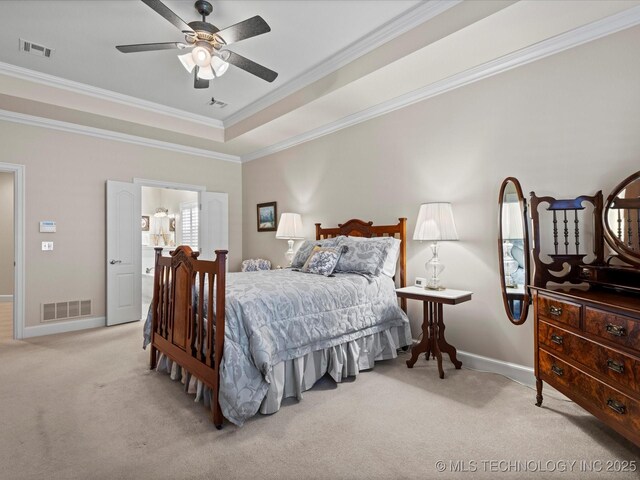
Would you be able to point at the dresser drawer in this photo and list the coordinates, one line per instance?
(617, 366)
(622, 330)
(613, 405)
(559, 310)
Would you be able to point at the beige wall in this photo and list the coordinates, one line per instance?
(6, 233)
(565, 125)
(65, 182)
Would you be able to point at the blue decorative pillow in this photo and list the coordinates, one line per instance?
(306, 248)
(362, 256)
(323, 260)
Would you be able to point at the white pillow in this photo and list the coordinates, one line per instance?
(389, 265)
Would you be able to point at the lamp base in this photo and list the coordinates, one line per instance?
(290, 253)
(434, 269)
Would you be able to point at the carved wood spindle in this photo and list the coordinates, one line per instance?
(555, 232)
(577, 226)
(619, 226)
(566, 233)
(629, 229)
(638, 227)
(210, 331)
(200, 317)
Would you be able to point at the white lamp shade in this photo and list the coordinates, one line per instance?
(187, 61)
(290, 227)
(435, 223)
(201, 55)
(219, 66)
(205, 73)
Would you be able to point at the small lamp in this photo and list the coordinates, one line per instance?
(511, 230)
(290, 228)
(435, 224)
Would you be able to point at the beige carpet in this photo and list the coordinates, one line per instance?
(6, 320)
(84, 406)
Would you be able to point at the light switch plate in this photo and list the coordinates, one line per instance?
(46, 246)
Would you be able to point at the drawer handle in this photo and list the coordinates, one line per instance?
(616, 330)
(557, 339)
(557, 370)
(556, 311)
(616, 406)
(615, 366)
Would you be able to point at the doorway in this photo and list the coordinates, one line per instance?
(7, 252)
(169, 218)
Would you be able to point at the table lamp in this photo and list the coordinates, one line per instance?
(435, 224)
(290, 228)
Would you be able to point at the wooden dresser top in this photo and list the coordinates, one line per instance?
(606, 298)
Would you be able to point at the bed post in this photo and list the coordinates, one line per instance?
(154, 308)
(221, 264)
(403, 259)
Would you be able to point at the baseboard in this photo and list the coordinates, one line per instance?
(514, 371)
(6, 298)
(62, 327)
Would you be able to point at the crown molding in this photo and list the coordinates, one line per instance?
(401, 24)
(103, 94)
(565, 41)
(22, 118)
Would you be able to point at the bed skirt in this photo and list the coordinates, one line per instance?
(292, 377)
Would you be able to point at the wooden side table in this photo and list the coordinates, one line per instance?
(433, 341)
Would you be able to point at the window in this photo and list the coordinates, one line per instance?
(189, 224)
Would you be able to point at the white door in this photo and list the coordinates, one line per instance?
(213, 224)
(124, 263)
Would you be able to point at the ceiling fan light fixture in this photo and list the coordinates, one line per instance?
(205, 73)
(187, 61)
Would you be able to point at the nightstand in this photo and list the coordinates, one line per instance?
(433, 342)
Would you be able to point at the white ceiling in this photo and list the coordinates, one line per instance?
(340, 62)
(84, 35)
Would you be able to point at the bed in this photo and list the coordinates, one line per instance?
(274, 333)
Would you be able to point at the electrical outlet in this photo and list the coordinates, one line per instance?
(46, 246)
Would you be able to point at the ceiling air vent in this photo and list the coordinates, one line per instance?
(217, 103)
(34, 49)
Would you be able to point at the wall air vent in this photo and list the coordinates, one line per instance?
(35, 49)
(65, 310)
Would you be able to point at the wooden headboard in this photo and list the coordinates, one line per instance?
(358, 228)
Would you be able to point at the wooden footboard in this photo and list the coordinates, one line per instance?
(179, 329)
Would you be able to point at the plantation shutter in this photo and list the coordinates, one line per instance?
(189, 224)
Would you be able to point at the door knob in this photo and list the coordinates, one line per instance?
(113, 262)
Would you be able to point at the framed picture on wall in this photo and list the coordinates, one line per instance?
(267, 217)
(172, 224)
(144, 223)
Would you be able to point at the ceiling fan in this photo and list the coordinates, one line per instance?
(208, 58)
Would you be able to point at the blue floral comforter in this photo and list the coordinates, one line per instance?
(278, 315)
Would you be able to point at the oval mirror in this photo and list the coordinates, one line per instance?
(622, 219)
(513, 250)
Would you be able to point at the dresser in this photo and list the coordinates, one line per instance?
(587, 346)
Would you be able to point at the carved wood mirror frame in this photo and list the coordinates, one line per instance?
(630, 218)
(524, 298)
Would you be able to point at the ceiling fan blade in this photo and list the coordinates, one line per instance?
(252, 67)
(147, 47)
(198, 82)
(246, 29)
(168, 14)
